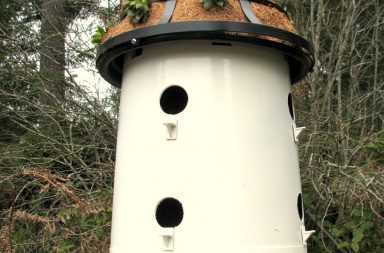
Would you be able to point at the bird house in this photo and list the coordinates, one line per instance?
(207, 157)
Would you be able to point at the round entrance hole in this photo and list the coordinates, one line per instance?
(173, 100)
(300, 206)
(290, 106)
(169, 213)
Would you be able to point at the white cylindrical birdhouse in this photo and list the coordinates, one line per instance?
(207, 155)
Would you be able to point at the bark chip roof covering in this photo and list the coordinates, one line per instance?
(192, 10)
(188, 20)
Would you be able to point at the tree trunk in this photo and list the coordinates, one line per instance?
(52, 56)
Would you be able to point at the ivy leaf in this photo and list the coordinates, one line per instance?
(98, 36)
(358, 213)
(96, 39)
(137, 19)
(208, 4)
(220, 3)
(367, 225)
(336, 232)
(343, 245)
(358, 235)
(349, 224)
(131, 13)
(124, 13)
(100, 30)
(355, 247)
(138, 10)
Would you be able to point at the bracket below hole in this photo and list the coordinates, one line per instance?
(167, 236)
(171, 128)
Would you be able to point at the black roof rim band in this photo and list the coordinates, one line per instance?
(299, 51)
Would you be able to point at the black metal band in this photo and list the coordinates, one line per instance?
(245, 5)
(298, 51)
(271, 4)
(168, 12)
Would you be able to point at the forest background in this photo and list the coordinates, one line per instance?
(57, 136)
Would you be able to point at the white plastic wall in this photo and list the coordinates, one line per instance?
(232, 163)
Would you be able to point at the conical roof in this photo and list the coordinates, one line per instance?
(260, 22)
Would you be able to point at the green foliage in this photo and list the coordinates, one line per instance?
(358, 234)
(208, 4)
(97, 226)
(20, 235)
(66, 248)
(376, 149)
(137, 10)
(98, 36)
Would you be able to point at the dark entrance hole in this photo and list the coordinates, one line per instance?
(169, 213)
(290, 106)
(174, 100)
(300, 206)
